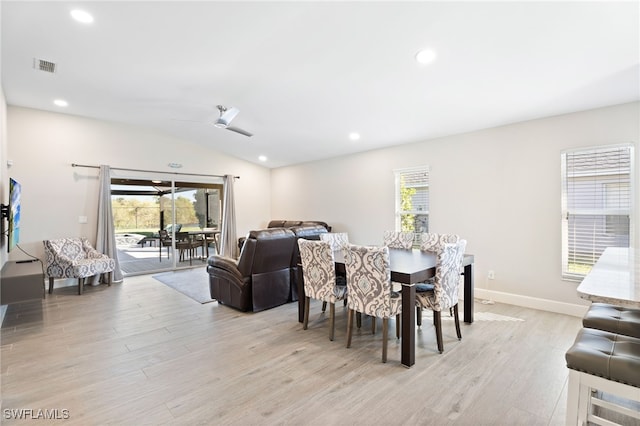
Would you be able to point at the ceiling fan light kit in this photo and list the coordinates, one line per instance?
(226, 115)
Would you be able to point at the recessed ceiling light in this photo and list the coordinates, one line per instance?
(81, 16)
(426, 56)
(354, 136)
(61, 102)
(262, 158)
(156, 181)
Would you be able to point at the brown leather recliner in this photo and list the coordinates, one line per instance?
(261, 277)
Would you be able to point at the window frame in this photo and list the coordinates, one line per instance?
(422, 209)
(606, 211)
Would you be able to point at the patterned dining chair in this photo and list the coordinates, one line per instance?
(432, 243)
(445, 287)
(75, 258)
(369, 289)
(398, 239)
(337, 240)
(319, 278)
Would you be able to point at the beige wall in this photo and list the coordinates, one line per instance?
(42, 146)
(499, 188)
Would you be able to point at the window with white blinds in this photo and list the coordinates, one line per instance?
(596, 205)
(412, 199)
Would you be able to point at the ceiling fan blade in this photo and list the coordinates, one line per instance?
(238, 130)
(227, 114)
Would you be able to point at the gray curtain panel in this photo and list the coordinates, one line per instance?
(229, 237)
(106, 239)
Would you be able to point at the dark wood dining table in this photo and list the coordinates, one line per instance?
(409, 267)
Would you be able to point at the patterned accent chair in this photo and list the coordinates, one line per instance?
(337, 240)
(445, 289)
(75, 258)
(369, 289)
(319, 276)
(398, 239)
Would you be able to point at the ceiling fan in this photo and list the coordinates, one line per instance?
(226, 116)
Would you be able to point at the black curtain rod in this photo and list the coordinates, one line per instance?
(150, 171)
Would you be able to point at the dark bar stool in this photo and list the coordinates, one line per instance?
(614, 319)
(603, 361)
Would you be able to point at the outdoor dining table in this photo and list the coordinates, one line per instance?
(205, 233)
(409, 267)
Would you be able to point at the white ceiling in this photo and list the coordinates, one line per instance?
(306, 74)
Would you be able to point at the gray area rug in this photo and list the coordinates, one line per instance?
(193, 283)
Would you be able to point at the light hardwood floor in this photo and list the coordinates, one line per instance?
(139, 352)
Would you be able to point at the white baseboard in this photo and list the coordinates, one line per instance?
(532, 302)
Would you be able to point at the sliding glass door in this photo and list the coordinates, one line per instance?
(165, 224)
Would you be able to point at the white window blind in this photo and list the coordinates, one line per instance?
(412, 199)
(596, 205)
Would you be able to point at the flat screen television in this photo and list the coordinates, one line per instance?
(13, 232)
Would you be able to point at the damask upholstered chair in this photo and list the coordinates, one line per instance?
(445, 287)
(398, 239)
(433, 242)
(75, 258)
(369, 288)
(318, 271)
(337, 240)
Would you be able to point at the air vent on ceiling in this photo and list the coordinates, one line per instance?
(42, 65)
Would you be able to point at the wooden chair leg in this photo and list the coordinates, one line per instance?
(398, 321)
(385, 336)
(457, 320)
(50, 285)
(358, 319)
(307, 301)
(438, 325)
(80, 285)
(349, 326)
(332, 320)
(324, 306)
(373, 325)
(419, 315)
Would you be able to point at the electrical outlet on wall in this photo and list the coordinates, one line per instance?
(491, 275)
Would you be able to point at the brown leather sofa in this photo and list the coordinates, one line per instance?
(290, 224)
(297, 223)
